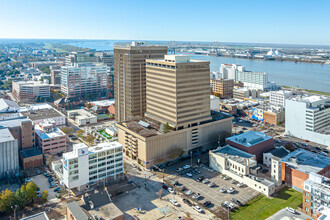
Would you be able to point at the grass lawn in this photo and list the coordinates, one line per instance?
(263, 207)
(51, 47)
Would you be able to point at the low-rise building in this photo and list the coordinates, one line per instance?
(215, 103)
(297, 166)
(277, 98)
(242, 93)
(223, 88)
(68, 103)
(82, 117)
(279, 152)
(42, 112)
(228, 108)
(85, 165)
(50, 139)
(316, 193)
(323, 213)
(39, 216)
(9, 163)
(253, 142)
(237, 164)
(101, 106)
(31, 158)
(29, 90)
(271, 115)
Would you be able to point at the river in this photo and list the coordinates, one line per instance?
(304, 75)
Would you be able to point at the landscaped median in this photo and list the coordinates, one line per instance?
(263, 207)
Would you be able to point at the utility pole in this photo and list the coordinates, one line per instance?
(14, 211)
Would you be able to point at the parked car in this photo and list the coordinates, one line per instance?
(289, 209)
(240, 184)
(189, 193)
(197, 171)
(223, 190)
(165, 187)
(174, 202)
(196, 196)
(265, 170)
(28, 180)
(171, 190)
(179, 169)
(183, 189)
(233, 181)
(189, 174)
(211, 184)
(58, 189)
(231, 190)
(200, 179)
(198, 209)
(236, 201)
(205, 181)
(186, 167)
(52, 185)
(207, 203)
(224, 177)
(187, 202)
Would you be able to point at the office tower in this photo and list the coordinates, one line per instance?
(130, 78)
(178, 90)
(80, 57)
(253, 80)
(55, 75)
(229, 71)
(308, 118)
(84, 80)
(223, 88)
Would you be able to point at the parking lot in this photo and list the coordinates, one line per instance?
(208, 193)
(43, 184)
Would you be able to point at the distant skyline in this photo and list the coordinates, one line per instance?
(278, 22)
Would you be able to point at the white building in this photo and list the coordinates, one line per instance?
(279, 152)
(277, 98)
(308, 118)
(253, 80)
(215, 103)
(28, 90)
(8, 153)
(229, 71)
(238, 165)
(82, 117)
(85, 165)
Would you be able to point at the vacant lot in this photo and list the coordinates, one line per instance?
(262, 207)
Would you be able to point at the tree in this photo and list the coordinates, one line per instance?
(67, 130)
(89, 105)
(31, 191)
(217, 94)
(80, 132)
(44, 196)
(90, 139)
(6, 201)
(20, 197)
(45, 69)
(166, 127)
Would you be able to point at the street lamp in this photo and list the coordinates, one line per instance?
(14, 208)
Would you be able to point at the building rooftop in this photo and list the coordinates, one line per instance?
(80, 114)
(8, 105)
(39, 216)
(77, 211)
(15, 122)
(5, 135)
(41, 114)
(30, 152)
(234, 154)
(324, 211)
(53, 133)
(31, 83)
(319, 183)
(36, 107)
(279, 152)
(104, 102)
(249, 138)
(306, 161)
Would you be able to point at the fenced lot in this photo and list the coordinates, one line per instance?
(263, 207)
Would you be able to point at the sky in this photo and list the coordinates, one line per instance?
(250, 21)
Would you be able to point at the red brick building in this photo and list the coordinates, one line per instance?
(252, 142)
(31, 158)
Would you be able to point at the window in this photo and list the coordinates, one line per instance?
(307, 194)
(306, 209)
(306, 200)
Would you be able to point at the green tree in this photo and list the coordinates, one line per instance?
(31, 191)
(44, 196)
(80, 132)
(45, 69)
(20, 197)
(16, 64)
(7, 199)
(89, 105)
(90, 139)
(67, 130)
(166, 127)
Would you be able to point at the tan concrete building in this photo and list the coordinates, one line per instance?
(130, 78)
(178, 94)
(178, 91)
(223, 88)
(28, 90)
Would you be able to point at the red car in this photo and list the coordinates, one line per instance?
(306, 140)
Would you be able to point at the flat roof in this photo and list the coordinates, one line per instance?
(39, 216)
(306, 161)
(104, 102)
(5, 135)
(30, 152)
(46, 135)
(234, 154)
(77, 211)
(15, 122)
(249, 138)
(41, 114)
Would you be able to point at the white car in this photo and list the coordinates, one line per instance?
(205, 181)
(211, 184)
(289, 209)
(189, 192)
(196, 196)
(171, 190)
(223, 190)
(231, 190)
(240, 184)
(198, 209)
(225, 177)
(189, 174)
(233, 181)
(174, 202)
(186, 167)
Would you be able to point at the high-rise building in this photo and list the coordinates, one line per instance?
(253, 80)
(178, 90)
(55, 72)
(80, 57)
(178, 119)
(84, 79)
(8, 153)
(229, 71)
(308, 118)
(130, 78)
(223, 87)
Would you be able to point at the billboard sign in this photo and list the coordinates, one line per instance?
(258, 114)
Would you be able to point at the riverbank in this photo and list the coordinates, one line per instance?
(307, 90)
